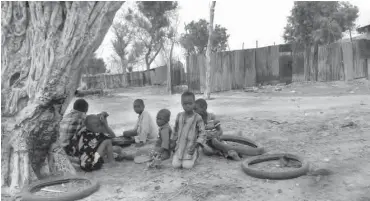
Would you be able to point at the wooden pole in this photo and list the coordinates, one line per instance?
(207, 91)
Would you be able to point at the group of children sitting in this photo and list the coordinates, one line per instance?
(89, 138)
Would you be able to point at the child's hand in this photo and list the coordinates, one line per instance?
(140, 144)
(104, 114)
(172, 144)
(193, 148)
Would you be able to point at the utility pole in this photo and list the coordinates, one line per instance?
(256, 43)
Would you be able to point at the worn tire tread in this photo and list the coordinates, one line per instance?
(27, 194)
(253, 150)
(290, 174)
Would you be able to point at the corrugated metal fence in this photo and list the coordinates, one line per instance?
(281, 63)
(156, 76)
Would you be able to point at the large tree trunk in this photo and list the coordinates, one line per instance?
(207, 91)
(43, 45)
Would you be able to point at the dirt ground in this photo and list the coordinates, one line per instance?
(311, 117)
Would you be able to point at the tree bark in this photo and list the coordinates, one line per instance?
(207, 91)
(148, 60)
(169, 70)
(43, 45)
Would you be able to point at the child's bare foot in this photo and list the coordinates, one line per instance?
(140, 144)
(234, 155)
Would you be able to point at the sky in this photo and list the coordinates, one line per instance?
(246, 22)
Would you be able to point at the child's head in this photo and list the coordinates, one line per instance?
(163, 117)
(139, 106)
(81, 105)
(94, 124)
(201, 106)
(187, 101)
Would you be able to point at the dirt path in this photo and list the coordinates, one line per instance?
(311, 118)
(313, 114)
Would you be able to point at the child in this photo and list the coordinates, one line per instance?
(164, 135)
(213, 130)
(94, 144)
(189, 133)
(162, 145)
(144, 129)
(70, 125)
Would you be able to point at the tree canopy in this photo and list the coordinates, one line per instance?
(319, 22)
(151, 23)
(94, 66)
(195, 38)
(123, 38)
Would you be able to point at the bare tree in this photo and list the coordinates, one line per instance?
(207, 91)
(43, 46)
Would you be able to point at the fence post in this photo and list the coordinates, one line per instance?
(368, 68)
(105, 82)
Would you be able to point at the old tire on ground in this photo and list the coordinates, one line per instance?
(290, 174)
(253, 150)
(27, 192)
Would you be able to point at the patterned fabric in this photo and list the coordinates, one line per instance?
(59, 161)
(188, 131)
(146, 129)
(211, 134)
(69, 128)
(210, 131)
(90, 160)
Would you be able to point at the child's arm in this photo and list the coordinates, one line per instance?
(165, 139)
(132, 132)
(201, 132)
(218, 127)
(175, 134)
(103, 118)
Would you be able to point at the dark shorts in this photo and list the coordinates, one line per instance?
(71, 150)
(89, 166)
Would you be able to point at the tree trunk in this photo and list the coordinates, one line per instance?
(169, 70)
(123, 64)
(43, 45)
(148, 60)
(207, 91)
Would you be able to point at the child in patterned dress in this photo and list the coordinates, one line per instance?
(189, 134)
(94, 144)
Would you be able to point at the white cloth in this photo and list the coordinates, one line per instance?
(146, 128)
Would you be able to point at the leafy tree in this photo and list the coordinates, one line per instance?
(94, 66)
(123, 38)
(195, 40)
(151, 24)
(319, 22)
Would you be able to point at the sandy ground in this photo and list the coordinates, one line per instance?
(311, 117)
